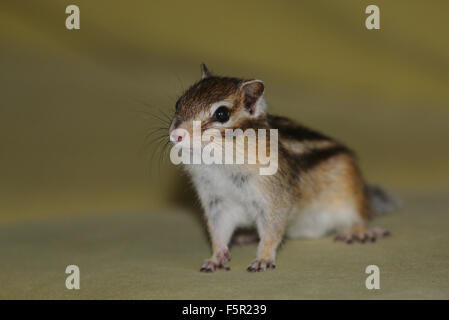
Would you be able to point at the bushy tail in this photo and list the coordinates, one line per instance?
(380, 200)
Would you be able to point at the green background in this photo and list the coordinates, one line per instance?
(78, 184)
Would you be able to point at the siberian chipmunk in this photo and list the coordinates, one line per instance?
(317, 188)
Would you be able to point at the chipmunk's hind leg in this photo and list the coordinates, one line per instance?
(361, 234)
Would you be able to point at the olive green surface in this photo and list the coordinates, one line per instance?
(158, 255)
(76, 164)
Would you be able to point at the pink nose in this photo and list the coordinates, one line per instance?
(177, 135)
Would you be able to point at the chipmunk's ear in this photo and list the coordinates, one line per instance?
(205, 73)
(252, 96)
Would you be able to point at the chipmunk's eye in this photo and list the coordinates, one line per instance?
(222, 114)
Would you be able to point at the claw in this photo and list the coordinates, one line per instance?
(218, 261)
(260, 265)
(362, 235)
(208, 266)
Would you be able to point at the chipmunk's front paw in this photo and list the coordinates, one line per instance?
(209, 266)
(362, 235)
(259, 265)
(218, 261)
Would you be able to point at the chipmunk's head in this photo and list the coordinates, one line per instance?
(218, 102)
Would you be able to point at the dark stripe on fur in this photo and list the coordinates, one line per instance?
(291, 130)
(306, 161)
(300, 163)
(312, 159)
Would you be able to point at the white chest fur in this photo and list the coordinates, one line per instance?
(231, 193)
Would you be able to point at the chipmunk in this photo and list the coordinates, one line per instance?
(317, 188)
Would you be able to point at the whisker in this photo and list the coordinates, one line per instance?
(156, 140)
(166, 149)
(166, 122)
(151, 132)
(163, 113)
(154, 153)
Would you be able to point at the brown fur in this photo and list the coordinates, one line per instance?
(321, 162)
(311, 165)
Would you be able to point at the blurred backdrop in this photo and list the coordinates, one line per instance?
(76, 106)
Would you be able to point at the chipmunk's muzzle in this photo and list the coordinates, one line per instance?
(177, 133)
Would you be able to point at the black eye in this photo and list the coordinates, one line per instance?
(222, 114)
